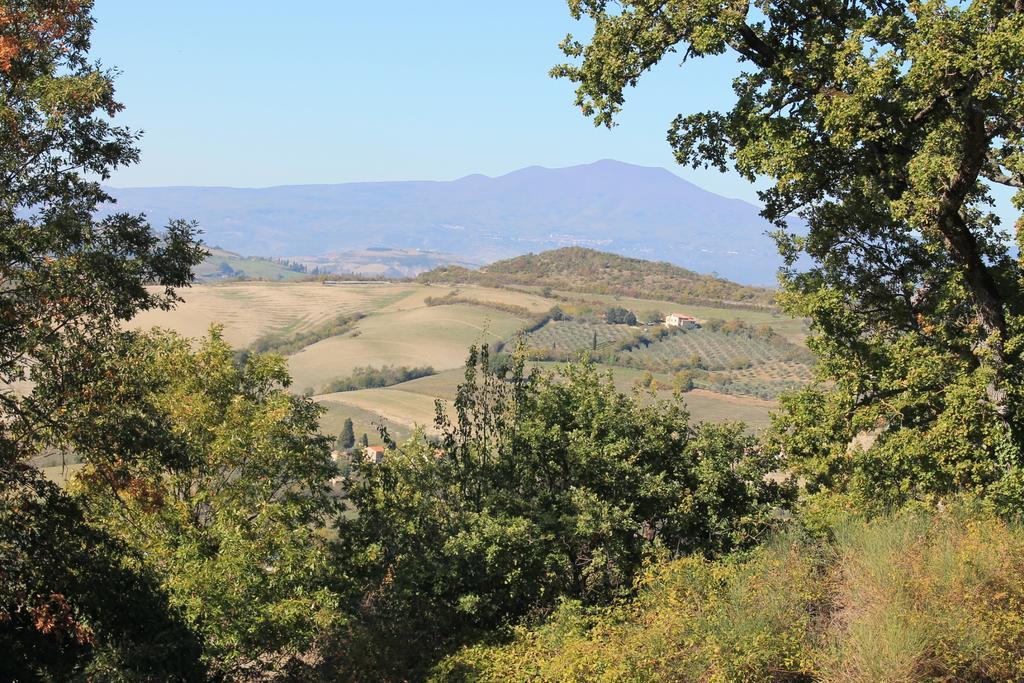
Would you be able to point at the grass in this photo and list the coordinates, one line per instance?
(60, 474)
(923, 596)
(252, 267)
(400, 329)
(249, 310)
(437, 336)
(704, 406)
(744, 364)
(791, 328)
(396, 407)
(363, 422)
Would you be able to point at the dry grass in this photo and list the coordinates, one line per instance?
(249, 310)
(923, 596)
(407, 409)
(437, 336)
(400, 329)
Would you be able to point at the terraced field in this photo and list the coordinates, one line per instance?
(717, 350)
(729, 363)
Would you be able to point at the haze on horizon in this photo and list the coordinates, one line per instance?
(342, 92)
(327, 93)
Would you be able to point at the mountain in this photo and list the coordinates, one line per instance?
(630, 210)
(578, 269)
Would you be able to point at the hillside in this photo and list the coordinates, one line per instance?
(226, 265)
(630, 210)
(578, 269)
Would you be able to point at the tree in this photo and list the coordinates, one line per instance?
(619, 316)
(68, 281)
(71, 607)
(652, 316)
(347, 438)
(882, 126)
(364, 441)
(543, 486)
(230, 528)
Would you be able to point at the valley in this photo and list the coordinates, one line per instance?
(732, 367)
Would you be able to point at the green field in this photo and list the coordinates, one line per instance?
(363, 421)
(791, 328)
(222, 264)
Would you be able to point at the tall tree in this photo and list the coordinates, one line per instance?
(542, 487)
(68, 280)
(347, 438)
(231, 530)
(883, 126)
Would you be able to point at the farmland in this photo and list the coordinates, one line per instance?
(412, 324)
(722, 357)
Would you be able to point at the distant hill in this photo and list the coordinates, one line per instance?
(629, 210)
(226, 265)
(381, 262)
(578, 269)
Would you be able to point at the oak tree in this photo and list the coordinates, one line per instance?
(882, 127)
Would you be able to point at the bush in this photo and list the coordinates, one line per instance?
(914, 597)
(619, 316)
(545, 486)
(373, 378)
(284, 343)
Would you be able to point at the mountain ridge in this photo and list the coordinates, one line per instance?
(635, 211)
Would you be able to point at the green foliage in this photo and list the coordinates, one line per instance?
(915, 597)
(72, 605)
(577, 269)
(371, 378)
(230, 527)
(617, 315)
(544, 486)
(68, 282)
(881, 128)
(347, 438)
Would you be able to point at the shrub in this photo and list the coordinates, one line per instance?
(545, 486)
(914, 597)
(373, 378)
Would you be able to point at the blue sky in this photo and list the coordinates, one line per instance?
(268, 93)
(258, 93)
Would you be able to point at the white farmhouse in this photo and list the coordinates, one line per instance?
(680, 320)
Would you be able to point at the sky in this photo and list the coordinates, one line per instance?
(257, 93)
(253, 94)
